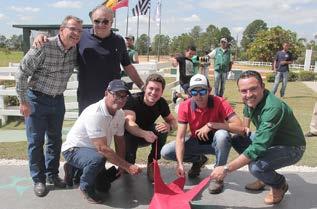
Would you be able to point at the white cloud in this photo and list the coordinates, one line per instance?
(237, 29)
(2, 17)
(67, 4)
(25, 18)
(24, 9)
(193, 18)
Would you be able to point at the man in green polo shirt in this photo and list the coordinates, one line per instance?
(277, 142)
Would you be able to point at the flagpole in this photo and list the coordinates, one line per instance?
(115, 19)
(148, 33)
(137, 32)
(127, 26)
(159, 41)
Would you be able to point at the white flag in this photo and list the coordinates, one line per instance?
(158, 12)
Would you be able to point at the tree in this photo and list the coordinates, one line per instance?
(3, 41)
(268, 42)
(249, 34)
(15, 42)
(163, 42)
(195, 33)
(143, 43)
(180, 43)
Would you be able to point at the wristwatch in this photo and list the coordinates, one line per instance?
(226, 169)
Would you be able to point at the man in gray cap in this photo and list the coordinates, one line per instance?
(222, 65)
(87, 146)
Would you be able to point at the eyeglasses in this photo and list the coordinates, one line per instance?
(119, 96)
(201, 92)
(74, 29)
(102, 22)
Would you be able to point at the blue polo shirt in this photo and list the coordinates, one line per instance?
(99, 63)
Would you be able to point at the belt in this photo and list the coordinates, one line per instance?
(38, 93)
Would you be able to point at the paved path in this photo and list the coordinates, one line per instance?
(16, 191)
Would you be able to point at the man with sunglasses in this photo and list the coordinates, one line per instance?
(210, 119)
(142, 110)
(278, 141)
(41, 80)
(87, 146)
(101, 52)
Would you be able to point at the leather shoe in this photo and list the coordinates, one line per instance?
(215, 187)
(40, 189)
(276, 195)
(255, 186)
(56, 181)
(196, 167)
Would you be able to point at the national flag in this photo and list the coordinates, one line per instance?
(115, 4)
(141, 7)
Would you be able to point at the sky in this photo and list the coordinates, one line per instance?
(177, 16)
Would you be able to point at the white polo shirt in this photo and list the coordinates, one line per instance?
(95, 122)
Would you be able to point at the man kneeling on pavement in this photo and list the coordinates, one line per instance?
(87, 146)
(210, 119)
(277, 142)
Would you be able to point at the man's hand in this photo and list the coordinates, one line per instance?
(149, 136)
(134, 170)
(163, 127)
(39, 40)
(180, 172)
(218, 173)
(25, 109)
(202, 133)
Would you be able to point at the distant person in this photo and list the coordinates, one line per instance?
(222, 65)
(313, 124)
(142, 110)
(133, 54)
(100, 54)
(281, 66)
(87, 146)
(277, 142)
(186, 70)
(41, 80)
(210, 120)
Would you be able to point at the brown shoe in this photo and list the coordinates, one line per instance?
(275, 195)
(196, 167)
(215, 187)
(150, 172)
(255, 186)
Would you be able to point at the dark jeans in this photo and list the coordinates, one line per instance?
(133, 142)
(274, 158)
(89, 161)
(45, 121)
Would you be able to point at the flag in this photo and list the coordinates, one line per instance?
(115, 4)
(141, 7)
(158, 12)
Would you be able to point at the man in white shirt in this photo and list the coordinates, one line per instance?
(87, 146)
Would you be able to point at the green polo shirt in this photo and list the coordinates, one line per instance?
(275, 125)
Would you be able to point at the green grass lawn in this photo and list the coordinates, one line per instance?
(300, 98)
(9, 56)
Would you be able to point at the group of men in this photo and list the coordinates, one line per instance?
(108, 111)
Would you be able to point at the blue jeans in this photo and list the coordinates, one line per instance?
(274, 158)
(133, 142)
(46, 120)
(89, 161)
(220, 146)
(220, 82)
(278, 77)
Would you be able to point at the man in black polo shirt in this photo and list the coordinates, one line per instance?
(142, 109)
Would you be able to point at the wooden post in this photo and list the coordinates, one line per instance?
(3, 118)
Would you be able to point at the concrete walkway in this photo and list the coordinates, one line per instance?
(16, 192)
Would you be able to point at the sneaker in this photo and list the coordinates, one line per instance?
(276, 195)
(310, 134)
(150, 172)
(215, 187)
(255, 186)
(174, 96)
(69, 174)
(56, 181)
(196, 167)
(40, 189)
(91, 197)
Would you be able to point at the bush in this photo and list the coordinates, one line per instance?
(306, 76)
(292, 76)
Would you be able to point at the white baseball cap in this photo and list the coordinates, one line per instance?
(224, 40)
(198, 80)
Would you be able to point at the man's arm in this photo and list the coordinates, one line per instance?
(133, 74)
(180, 148)
(112, 157)
(133, 128)
(136, 57)
(169, 125)
(234, 125)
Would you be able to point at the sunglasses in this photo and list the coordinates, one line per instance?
(201, 92)
(102, 22)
